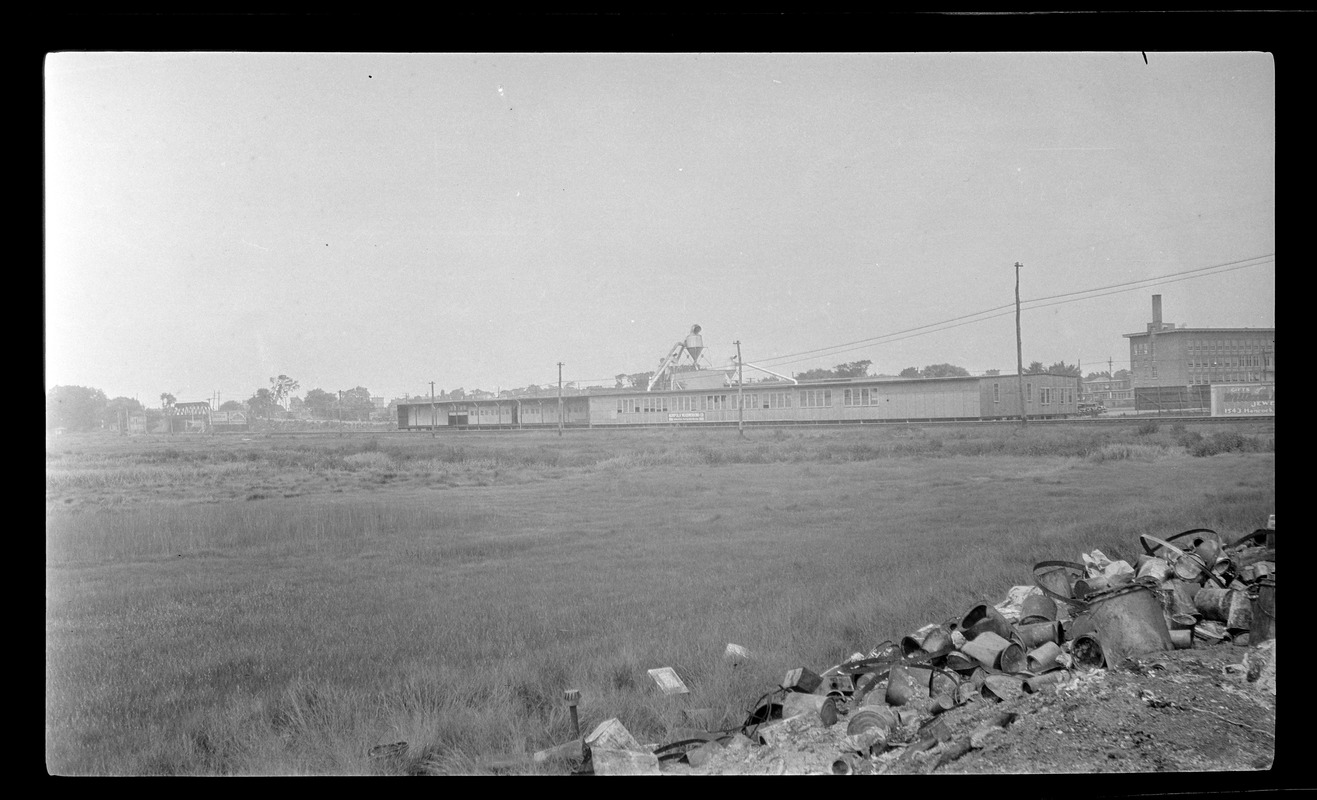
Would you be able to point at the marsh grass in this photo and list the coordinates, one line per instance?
(288, 635)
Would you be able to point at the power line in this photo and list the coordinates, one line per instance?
(1030, 305)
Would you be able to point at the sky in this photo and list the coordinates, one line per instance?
(388, 220)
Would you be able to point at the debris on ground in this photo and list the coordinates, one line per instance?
(1101, 665)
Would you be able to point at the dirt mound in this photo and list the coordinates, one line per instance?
(1178, 710)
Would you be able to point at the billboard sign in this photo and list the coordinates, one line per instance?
(1243, 399)
(686, 416)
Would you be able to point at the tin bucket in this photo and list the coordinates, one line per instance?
(1043, 658)
(1128, 621)
(1054, 578)
(1183, 639)
(984, 618)
(1264, 611)
(903, 686)
(1037, 608)
(1213, 603)
(1038, 633)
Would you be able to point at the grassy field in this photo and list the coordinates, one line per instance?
(231, 605)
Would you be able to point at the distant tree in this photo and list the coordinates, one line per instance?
(1062, 368)
(167, 400)
(1093, 376)
(1122, 375)
(77, 408)
(944, 371)
(909, 372)
(457, 394)
(356, 403)
(621, 380)
(1035, 368)
(281, 388)
(262, 403)
(639, 380)
(992, 372)
(117, 409)
(819, 374)
(321, 404)
(853, 369)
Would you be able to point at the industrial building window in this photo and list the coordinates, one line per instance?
(1045, 395)
(1028, 392)
(996, 393)
(816, 398)
(717, 402)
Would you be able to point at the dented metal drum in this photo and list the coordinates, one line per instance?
(1128, 621)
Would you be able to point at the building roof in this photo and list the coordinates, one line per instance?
(1199, 330)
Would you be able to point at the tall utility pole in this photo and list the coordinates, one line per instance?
(560, 398)
(340, 412)
(433, 421)
(1019, 348)
(740, 397)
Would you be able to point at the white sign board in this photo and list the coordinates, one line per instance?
(667, 680)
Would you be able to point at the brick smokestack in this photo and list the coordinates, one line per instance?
(1157, 312)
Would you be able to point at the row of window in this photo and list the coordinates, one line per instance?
(1218, 345)
(809, 398)
(1242, 361)
(1046, 394)
(1224, 377)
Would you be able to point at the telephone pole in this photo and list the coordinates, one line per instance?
(1019, 348)
(560, 398)
(740, 397)
(433, 421)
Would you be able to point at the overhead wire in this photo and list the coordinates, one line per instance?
(1025, 305)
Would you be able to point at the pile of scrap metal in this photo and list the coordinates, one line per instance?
(1189, 590)
(1192, 589)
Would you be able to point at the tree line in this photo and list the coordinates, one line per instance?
(80, 408)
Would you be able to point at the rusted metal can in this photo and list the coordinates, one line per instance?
(1043, 658)
(1159, 569)
(1002, 687)
(904, 686)
(1239, 616)
(1264, 611)
(1036, 634)
(1214, 603)
(984, 618)
(1086, 586)
(1037, 608)
(939, 704)
(1055, 577)
(1086, 650)
(1129, 622)
(870, 717)
(994, 652)
(794, 703)
(1182, 638)
(1039, 682)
